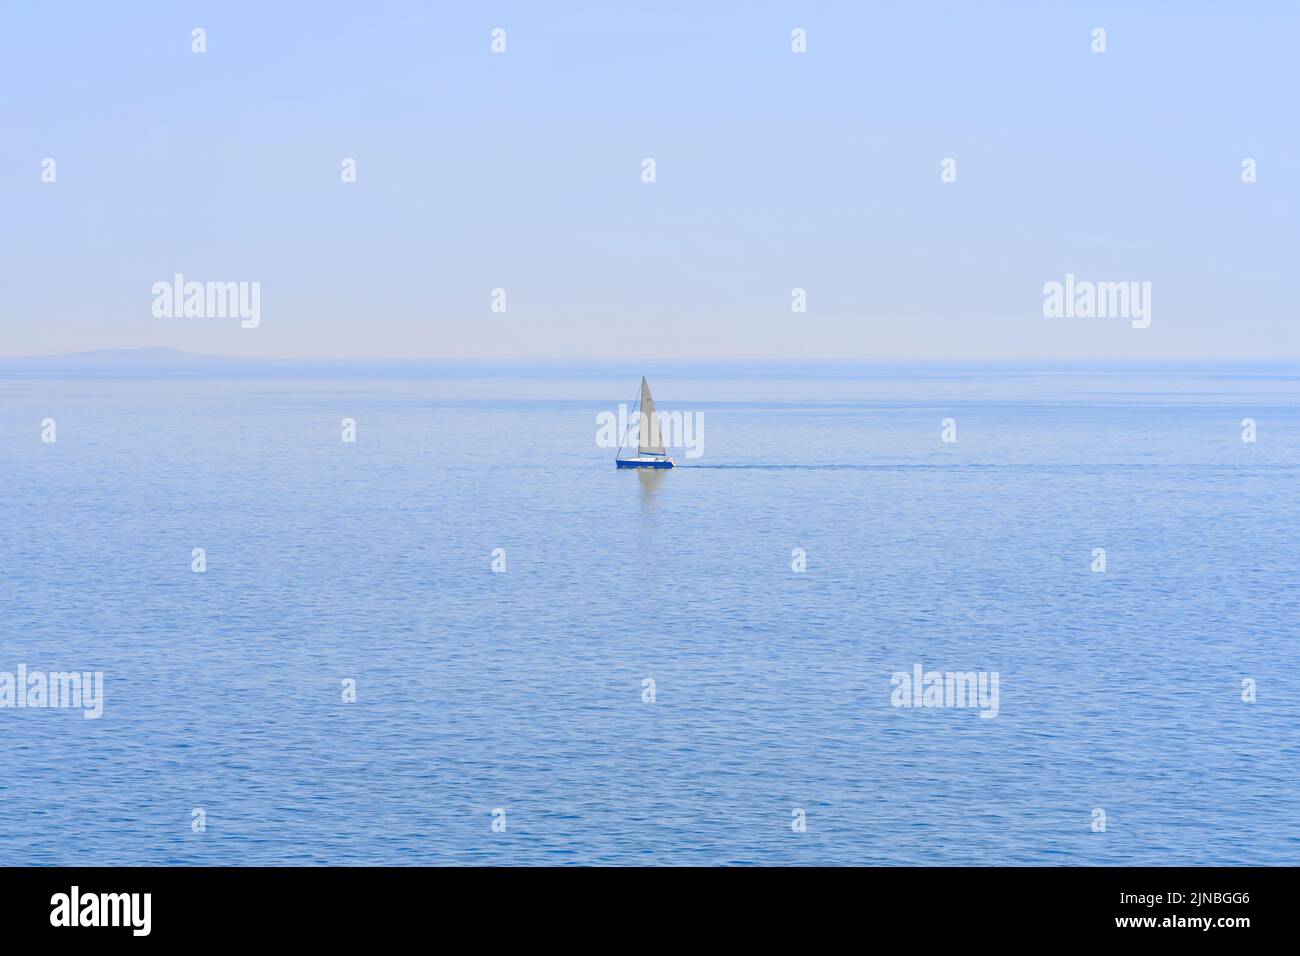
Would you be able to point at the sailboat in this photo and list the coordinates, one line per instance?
(650, 451)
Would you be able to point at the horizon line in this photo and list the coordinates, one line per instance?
(162, 351)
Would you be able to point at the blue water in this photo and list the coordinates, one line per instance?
(523, 690)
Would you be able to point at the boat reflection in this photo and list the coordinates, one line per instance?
(650, 479)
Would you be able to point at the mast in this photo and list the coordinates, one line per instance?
(649, 440)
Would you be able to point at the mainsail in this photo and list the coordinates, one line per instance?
(649, 439)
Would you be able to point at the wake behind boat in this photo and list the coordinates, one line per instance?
(650, 451)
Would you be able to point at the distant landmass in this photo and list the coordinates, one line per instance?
(123, 362)
(168, 363)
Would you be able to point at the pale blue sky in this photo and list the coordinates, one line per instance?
(775, 170)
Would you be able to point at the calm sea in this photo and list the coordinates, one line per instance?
(1119, 691)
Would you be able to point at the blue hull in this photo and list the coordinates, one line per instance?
(634, 463)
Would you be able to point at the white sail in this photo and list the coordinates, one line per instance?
(650, 441)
